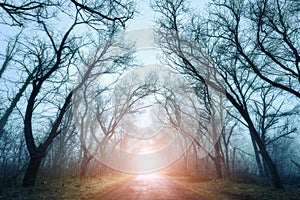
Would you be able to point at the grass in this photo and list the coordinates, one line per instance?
(96, 188)
(229, 190)
(72, 188)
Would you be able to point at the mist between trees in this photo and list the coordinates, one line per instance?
(70, 87)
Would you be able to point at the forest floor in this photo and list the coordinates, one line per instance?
(120, 187)
(230, 190)
(67, 189)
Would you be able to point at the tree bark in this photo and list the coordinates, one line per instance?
(85, 162)
(32, 170)
(233, 160)
(257, 158)
(262, 148)
(217, 160)
(38, 153)
(12, 105)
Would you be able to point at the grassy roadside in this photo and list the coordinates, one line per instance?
(72, 188)
(228, 190)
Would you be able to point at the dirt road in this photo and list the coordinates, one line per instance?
(151, 187)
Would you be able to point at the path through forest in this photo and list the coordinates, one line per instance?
(151, 187)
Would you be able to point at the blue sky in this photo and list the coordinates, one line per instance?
(145, 18)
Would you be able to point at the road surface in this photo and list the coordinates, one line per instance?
(151, 187)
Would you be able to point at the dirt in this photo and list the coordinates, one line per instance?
(151, 187)
(118, 187)
(147, 187)
(67, 189)
(230, 190)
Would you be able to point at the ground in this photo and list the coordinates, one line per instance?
(147, 187)
(151, 187)
(230, 190)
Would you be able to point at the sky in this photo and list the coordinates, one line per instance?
(143, 21)
(139, 31)
(146, 16)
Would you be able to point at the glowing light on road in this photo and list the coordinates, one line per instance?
(149, 162)
(146, 177)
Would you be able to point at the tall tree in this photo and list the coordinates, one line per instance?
(265, 36)
(52, 54)
(203, 54)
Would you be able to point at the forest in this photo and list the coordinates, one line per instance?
(220, 100)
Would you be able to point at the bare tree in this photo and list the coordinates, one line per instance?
(268, 46)
(273, 121)
(51, 57)
(196, 118)
(12, 48)
(21, 12)
(193, 60)
(101, 114)
(226, 136)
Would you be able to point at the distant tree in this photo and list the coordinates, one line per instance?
(102, 112)
(226, 144)
(273, 120)
(197, 118)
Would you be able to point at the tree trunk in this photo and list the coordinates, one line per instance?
(12, 105)
(217, 161)
(271, 165)
(262, 148)
(217, 147)
(85, 162)
(227, 166)
(274, 174)
(257, 158)
(32, 171)
(266, 170)
(233, 160)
